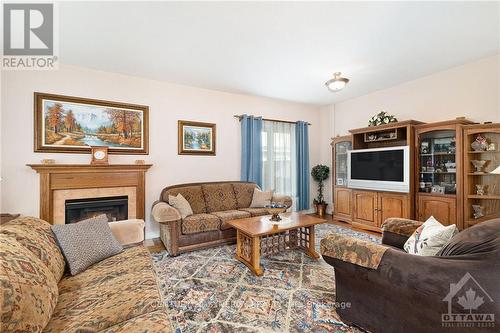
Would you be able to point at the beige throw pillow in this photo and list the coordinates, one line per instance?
(181, 204)
(261, 198)
(429, 238)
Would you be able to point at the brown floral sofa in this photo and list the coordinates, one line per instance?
(213, 204)
(118, 294)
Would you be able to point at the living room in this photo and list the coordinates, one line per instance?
(217, 123)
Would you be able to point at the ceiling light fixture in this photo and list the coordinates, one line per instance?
(337, 83)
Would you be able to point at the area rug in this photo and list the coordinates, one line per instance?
(210, 291)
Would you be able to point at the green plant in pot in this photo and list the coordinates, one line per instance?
(320, 173)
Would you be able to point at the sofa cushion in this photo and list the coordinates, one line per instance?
(152, 322)
(429, 238)
(256, 211)
(29, 289)
(110, 303)
(131, 260)
(228, 215)
(193, 194)
(261, 199)
(200, 223)
(181, 204)
(36, 236)
(243, 193)
(219, 197)
(86, 243)
(481, 239)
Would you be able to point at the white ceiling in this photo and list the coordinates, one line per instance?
(281, 50)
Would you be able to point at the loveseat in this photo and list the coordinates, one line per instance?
(118, 294)
(213, 205)
(389, 290)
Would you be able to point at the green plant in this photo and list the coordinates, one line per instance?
(320, 173)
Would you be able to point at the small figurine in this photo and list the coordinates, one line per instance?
(492, 147)
(481, 189)
(478, 211)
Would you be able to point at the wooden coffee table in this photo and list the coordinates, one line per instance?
(256, 237)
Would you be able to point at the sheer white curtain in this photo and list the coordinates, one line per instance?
(278, 157)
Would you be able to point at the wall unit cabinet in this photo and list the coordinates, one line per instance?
(439, 161)
(342, 196)
(372, 208)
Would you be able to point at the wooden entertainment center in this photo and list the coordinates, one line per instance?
(442, 180)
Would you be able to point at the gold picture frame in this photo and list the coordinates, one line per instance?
(68, 124)
(196, 138)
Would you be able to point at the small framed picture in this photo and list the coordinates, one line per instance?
(196, 138)
(340, 181)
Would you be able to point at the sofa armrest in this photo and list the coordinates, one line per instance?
(352, 250)
(284, 199)
(162, 212)
(128, 232)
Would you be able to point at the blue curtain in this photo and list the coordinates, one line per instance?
(251, 149)
(302, 151)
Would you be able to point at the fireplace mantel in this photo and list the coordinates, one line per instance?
(59, 178)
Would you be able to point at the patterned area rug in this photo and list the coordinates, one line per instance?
(210, 291)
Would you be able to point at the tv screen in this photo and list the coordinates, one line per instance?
(386, 165)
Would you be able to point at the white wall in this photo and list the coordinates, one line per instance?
(168, 103)
(471, 90)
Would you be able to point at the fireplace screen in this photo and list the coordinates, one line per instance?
(115, 208)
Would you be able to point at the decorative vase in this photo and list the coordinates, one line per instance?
(321, 209)
(479, 144)
(478, 164)
(478, 211)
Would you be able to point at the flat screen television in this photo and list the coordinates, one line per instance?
(383, 169)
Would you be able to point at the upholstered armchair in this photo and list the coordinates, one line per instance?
(390, 290)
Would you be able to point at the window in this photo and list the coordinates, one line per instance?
(278, 158)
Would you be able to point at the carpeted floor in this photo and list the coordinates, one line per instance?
(209, 291)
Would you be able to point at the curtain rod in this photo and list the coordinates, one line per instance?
(276, 120)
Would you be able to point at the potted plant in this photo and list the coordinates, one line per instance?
(320, 173)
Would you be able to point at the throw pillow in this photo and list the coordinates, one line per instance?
(429, 238)
(86, 243)
(260, 198)
(181, 204)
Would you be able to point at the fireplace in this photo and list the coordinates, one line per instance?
(115, 208)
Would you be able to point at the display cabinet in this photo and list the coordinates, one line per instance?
(482, 173)
(439, 156)
(342, 196)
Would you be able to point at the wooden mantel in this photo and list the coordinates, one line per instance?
(56, 177)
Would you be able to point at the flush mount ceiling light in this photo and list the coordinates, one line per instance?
(337, 83)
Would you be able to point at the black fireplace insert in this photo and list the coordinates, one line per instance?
(115, 208)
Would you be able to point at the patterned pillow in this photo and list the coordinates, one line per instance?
(181, 204)
(429, 238)
(261, 198)
(29, 289)
(86, 243)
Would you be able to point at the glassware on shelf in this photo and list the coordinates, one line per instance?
(481, 189)
(479, 165)
(480, 144)
(341, 149)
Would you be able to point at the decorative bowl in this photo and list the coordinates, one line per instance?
(478, 164)
(275, 208)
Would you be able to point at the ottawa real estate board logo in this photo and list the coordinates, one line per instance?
(466, 300)
(29, 36)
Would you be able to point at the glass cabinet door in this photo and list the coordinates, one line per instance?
(341, 149)
(437, 162)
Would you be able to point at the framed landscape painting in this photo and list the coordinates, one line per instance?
(65, 124)
(196, 138)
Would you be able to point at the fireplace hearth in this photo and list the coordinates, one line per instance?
(115, 208)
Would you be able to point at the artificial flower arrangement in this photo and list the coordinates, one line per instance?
(381, 118)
